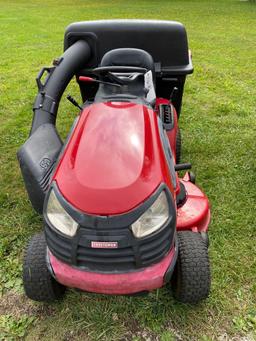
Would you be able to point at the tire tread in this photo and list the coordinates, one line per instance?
(192, 279)
(39, 285)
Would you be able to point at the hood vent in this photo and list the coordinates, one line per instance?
(167, 117)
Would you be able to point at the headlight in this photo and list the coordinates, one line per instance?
(59, 218)
(153, 219)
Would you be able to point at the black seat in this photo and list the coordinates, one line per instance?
(129, 57)
(132, 91)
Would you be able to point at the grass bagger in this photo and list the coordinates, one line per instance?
(117, 217)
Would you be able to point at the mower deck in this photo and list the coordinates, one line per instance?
(194, 214)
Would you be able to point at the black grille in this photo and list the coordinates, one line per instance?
(166, 114)
(131, 253)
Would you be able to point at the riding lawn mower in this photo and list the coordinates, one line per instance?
(117, 218)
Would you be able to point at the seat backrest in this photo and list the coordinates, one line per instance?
(128, 57)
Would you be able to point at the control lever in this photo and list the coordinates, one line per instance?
(182, 166)
(90, 79)
(173, 93)
(74, 102)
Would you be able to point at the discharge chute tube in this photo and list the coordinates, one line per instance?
(47, 101)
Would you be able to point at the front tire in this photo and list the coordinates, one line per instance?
(39, 285)
(191, 279)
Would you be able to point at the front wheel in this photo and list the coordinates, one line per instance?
(39, 285)
(191, 279)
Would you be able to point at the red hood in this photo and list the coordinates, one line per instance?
(112, 162)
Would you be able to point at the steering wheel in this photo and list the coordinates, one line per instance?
(108, 72)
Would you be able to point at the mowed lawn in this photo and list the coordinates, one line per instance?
(218, 125)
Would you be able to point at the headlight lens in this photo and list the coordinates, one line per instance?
(153, 219)
(59, 218)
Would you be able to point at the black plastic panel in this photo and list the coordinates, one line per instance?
(131, 254)
(166, 41)
(37, 157)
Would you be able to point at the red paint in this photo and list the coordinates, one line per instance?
(147, 279)
(86, 79)
(195, 213)
(114, 160)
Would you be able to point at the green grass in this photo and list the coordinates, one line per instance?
(218, 126)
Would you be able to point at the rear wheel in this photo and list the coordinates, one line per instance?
(39, 285)
(178, 146)
(191, 279)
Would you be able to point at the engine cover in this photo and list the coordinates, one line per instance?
(114, 159)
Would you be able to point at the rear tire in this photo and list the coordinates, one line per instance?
(178, 146)
(39, 285)
(191, 279)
